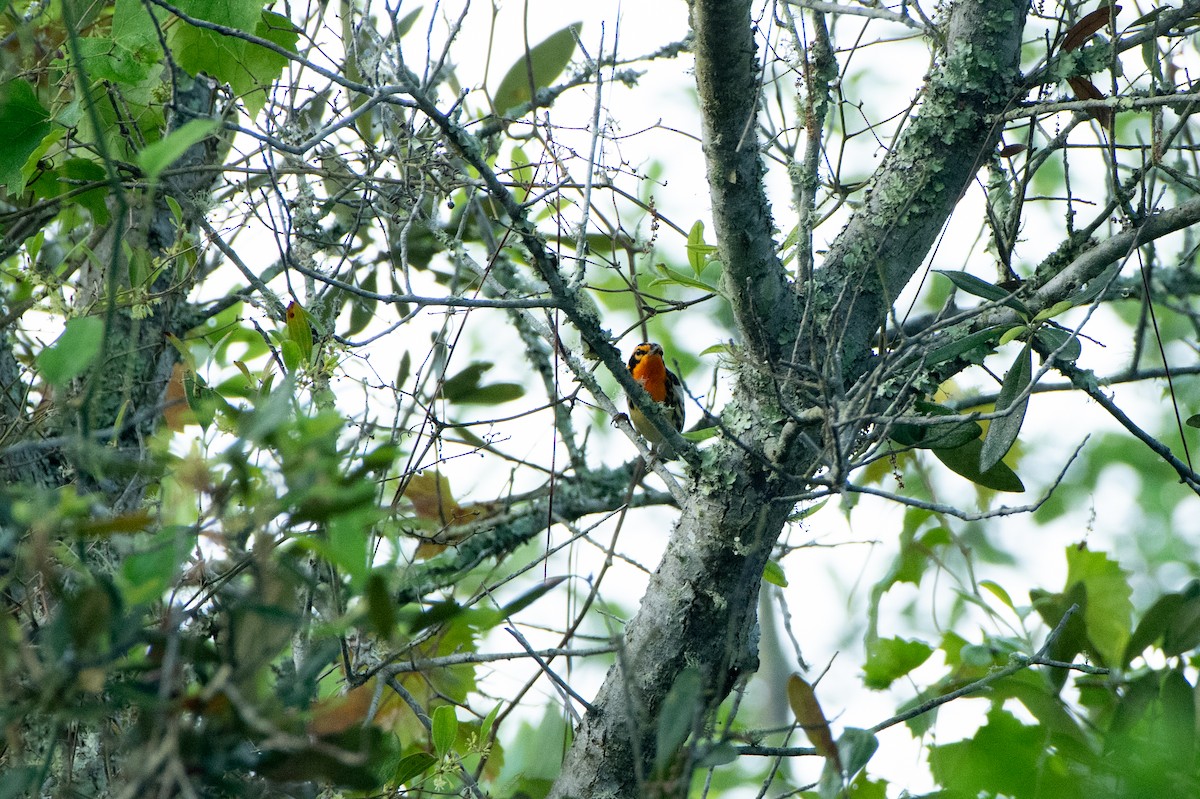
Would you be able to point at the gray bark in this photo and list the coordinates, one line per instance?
(699, 610)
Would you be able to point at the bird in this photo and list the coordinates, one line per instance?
(664, 387)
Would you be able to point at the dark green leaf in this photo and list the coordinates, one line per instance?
(381, 610)
(981, 288)
(1003, 430)
(411, 766)
(980, 340)
(26, 123)
(533, 595)
(545, 61)
(964, 460)
(935, 436)
(1054, 338)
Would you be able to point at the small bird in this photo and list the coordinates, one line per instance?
(664, 387)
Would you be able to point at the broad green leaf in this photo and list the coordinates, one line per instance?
(445, 729)
(1063, 342)
(1108, 609)
(964, 461)
(299, 330)
(105, 59)
(1003, 430)
(26, 123)
(349, 544)
(981, 288)
(680, 710)
(412, 766)
(703, 434)
(1004, 757)
(156, 157)
(856, 747)
(935, 436)
(544, 61)
(888, 659)
(73, 352)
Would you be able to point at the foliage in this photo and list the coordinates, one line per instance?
(307, 370)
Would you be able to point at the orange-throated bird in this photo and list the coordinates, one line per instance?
(648, 368)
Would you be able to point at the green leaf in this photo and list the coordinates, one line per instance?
(381, 610)
(979, 340)
(998, 591)
(74, 351)
(1012, 334)
(1003, 430)
(703, 434)
(981, 288)
(1004, 757)
(445, 729)
(671, 276)
(1063, 342)
(532, 595)
(934, 436)
(773, 574)
(1054, 310)
(855, 748)
(156, 157)
(105, 59)
(412, 766)
(26, 123)
(678, 716)
(544, 61)
(964, 461)
(888, 659)
(1108, 609)
(698, 252)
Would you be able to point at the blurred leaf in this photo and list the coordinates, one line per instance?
(26, 123)
(74, 351)
(888, 659)
(1108, 609)
(157, 156)
(299, 330)
(544, 61)
(680, 710)
(856, 748)
(362, 309)
(413, 765)
(773, 573)
(803, 701)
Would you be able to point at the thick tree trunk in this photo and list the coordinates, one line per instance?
(699, 610)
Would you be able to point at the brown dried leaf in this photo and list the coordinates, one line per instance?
(1082, 30)
(810, 717)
